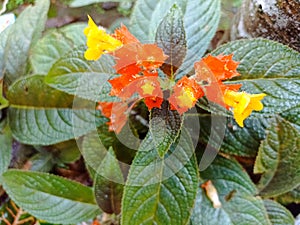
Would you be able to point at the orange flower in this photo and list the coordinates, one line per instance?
(212, 71)
(123, 35)
(186, 92)
(134, 58)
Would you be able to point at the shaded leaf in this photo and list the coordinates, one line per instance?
(278, 159)
(236, 193)
(165, 126)
(170, 37)
(278, 214)
(49, 197)
(109, 182)
(41, 115)
(161, 190)
(290, 197)
(5, 147)
(20, 37)
(54, 45)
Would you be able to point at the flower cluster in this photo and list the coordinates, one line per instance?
(137, 65)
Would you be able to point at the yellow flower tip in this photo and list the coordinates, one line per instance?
(98, 41)
(243, 104)
(186, 98)
(148, 88)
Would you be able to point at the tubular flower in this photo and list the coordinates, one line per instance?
(185, 94)
(243, 104)
(98, 41)
(212, 71)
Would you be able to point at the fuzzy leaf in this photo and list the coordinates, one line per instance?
(20, 37)
(161, 190)
(49, 197)
(54, 45)
(236, 193)
(170, 37)
(41, 115)
(278, 214)
(77, 76)
(278, 159)
(5, 147)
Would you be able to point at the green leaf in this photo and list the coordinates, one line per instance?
(161, 190)
(75, 75)
(5, 147)
(68, 151)
(277, 76)
(54, 45)
(49, 197)
(278, 214)
(290, 197)
(109, 182)
(42, 162)
(41, 115)
(278, 159)
(21, 36)
(236, 194)
(170, 37)
(165, 126)
(200, 19)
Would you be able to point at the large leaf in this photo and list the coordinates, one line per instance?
(278, 159)
(54, 45)
(236, 194)
(109, 182)
(278, 215)
(165, 126)
(170, 36)
(291, 196)
(41, 115)
(20, 37)
(5, 147)
(200, 19)
(277, 76)
(49, 197)
(75, 75)
(161, 190)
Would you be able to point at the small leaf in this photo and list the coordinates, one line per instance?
(278, 214)
(49, 197)
(5, 147)
(236, 193)
(278, 159)
(21, 36)
(42, 162)
(41, 115)
(77, 76)
(161, 190)
(54, 45)
(108, 187)
(165, 126)
(170, 37)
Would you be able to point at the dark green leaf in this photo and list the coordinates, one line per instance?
(5, 147)
(278, 215)
(49, 197)
(77, 76)
(290, 197)
(161, 190)
(277, 76)
(109, 182)
(20, 38)
(42, 162)
(235, 191)
(68, 151)
(278, 159)
(41, 115)
(200, 22)
(54, 45)
(165, 126)
(170, 37)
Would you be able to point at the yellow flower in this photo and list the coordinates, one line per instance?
(98, 41)
(243, 104)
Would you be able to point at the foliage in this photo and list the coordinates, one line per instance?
(173, 159)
